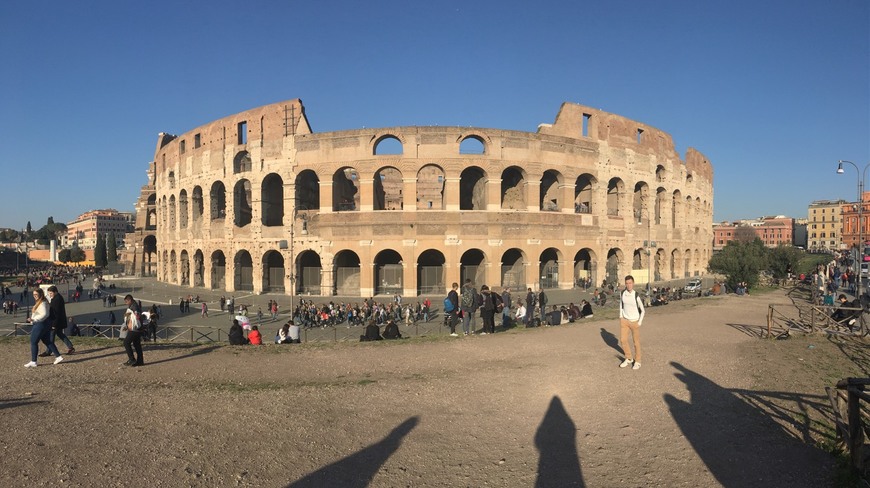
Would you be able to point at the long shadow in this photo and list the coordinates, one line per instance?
(195, 352)
(18, 402)
(855, 349)
(741, 443)
(358, 469)
(611, 340)
(756, 331)
(556, 439)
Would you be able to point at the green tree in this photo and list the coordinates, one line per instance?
(50, 221)
(783, 259)
(111, 248)
(76, 254)
(740, 261)
(64, 256)
(100, 258)
(29, 229)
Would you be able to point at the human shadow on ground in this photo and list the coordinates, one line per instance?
(611, 340)
(18, 402)
(739, 439)
(855, 349)
(358, 469)
(556, 440)
(755, 331)
(196, 351)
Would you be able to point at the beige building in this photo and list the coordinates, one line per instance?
(85, 228)
(258, 202)
(825, 224)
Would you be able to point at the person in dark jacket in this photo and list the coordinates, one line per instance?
(586, 311)
(57, 320)
(453, 315)
(391, 331)
(237, 335)
(373, 332)
(530, 307)
(487, 310)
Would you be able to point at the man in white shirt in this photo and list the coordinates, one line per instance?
(631, 313)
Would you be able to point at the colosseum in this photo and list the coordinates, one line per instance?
(258, 202)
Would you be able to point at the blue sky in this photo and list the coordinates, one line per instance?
(773, 92)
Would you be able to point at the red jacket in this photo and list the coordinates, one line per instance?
(255, 337)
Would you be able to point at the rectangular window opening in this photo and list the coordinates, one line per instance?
(586, 119)
(197, 141)
(639, 136)
(182, 146)
(243, 132)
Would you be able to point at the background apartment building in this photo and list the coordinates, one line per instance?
(85, 228)
(772, 231)
(825, 224)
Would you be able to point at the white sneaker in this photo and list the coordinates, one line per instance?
(454, 335)
(31, 364)
(483, 333)
(58, 360)
(636, 366)
(626, 363)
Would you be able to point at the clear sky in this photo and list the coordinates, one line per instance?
(773, 92)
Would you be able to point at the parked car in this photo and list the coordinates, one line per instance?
(693, 286)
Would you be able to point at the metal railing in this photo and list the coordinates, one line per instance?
(189, 333)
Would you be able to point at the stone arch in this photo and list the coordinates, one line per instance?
(272, 201)
(548, 268)
(164, 265)
(273, 272)
(687, 259)
(345, 189)
(185, 268)
(243, 279)
(585, 264)
(676, 264)
(308, 271)
(472, 264)
(551, 191)
(242, 203)
(346, 270)
(307, 190)
(218, 201)
(676, 208)
(640, 206)
(513, 271)
(661, 194)
(584, 193)
(699, 265)
(197, 203)
(173, 267)
(472, 144)
(430, 272)
(513, 188)
(172, 218)
(615, 195)
(615, 263)
(690, 210)
(661, 173)
(388, 187)
(388, 144)
(430, 187)
(659, 268)
(389, 273)
(242, 162)
(171, 179)
(472, 188)
(218, 270)
(182, 209)
(198, 269)
(149, 255)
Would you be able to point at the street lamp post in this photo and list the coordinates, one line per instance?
(860, 244)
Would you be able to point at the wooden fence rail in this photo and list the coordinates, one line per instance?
(850, 393)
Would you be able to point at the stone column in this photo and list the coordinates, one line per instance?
(566, 274)
(409, 279)
(327, 285)
(533, 193)
(257, 272)
(366, 276)
(566, 198)
(409, 194)
(493, 195)
(366, 197)
(325, 197)
(451, 194)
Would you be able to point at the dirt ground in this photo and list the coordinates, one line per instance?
(712, 406)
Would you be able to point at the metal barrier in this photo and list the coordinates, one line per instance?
(191, 333)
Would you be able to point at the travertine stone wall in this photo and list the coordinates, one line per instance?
(241, 198)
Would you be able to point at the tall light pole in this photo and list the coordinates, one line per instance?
(860, 245)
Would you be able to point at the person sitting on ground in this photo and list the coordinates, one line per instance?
(848, 312)
(373, 332)
(293, 332)
(254, 337)
(555, 316)
(237, 336)
(283, 336)
(586, 311)
(391, 331)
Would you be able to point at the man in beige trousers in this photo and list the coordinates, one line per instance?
(631, 313)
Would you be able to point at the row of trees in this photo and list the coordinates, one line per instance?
(51, 230)
(743, 261)
(105, 252)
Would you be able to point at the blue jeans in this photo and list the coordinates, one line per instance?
(63, 337)
(40, 332)
(466, 320)
(506, 317)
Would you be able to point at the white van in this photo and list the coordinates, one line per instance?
(865, 269)
(694, 285)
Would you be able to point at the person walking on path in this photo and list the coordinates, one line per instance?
(204, 313)
(134, 337)
(40, 330)
(57, 319)
(631, 314)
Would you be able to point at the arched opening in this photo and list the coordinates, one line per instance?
(185, 268)
(171, 179)
(197, 203)
(472, 145)
(676, 262)
(307, 190)
(615, 190)
(661, 194)
(309, 273)
(472, 266)
(584, 269)
(698, 265)
(583, 193)
(388, 273)
(242, 162)
(549, 268)
(273, 272)
(641, 202)
(387, 188)
(182, 209)
(430, 272)
(347, 273)
(218, 201)
(149, 255)
(659, 273)
(687, 266)
(244, 275)
(164, 265)
(242, 202)
(472, 189)
(676, 208)
(272, 200)
(173, 267)
(172, 220)
(218, 270)
(550, 191)
(614, 263)
(513, 272)
(388, 144)
(690, 212)
(660, 174)
(345, 190)
(513, 189)
(151, 220)
(430, 188)
(198, 269)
